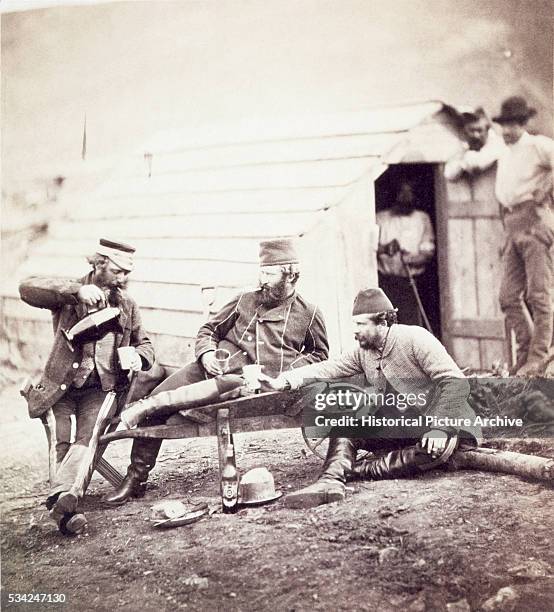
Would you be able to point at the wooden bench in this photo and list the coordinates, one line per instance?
(260, 412)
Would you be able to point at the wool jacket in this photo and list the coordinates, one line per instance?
(60, 296)
(412, 361)
(289, 335)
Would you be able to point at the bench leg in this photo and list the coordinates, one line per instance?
(94, 449)
(107, 471)
(50, 428)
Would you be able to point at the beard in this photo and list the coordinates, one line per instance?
(367, 344)
(475, 144)
(114, 295)
(273, 295)
(373, 342)
(111, 287)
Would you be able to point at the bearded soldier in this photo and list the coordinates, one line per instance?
(272, 326)
(76, 380)
(395, 359)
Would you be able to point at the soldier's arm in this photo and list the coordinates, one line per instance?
(454, 167)
(346, 365)
(316, 345)
(51, 293)
(212, 332)
(451, 388)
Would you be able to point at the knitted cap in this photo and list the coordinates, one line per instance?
(371, 301)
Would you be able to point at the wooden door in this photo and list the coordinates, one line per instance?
(470, 238)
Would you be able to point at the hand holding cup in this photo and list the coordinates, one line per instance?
(252, 374)
(129, 359)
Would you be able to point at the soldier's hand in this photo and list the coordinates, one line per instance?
(277, 384)
(91, 295)
(135, 365)
(390, 249)
(210, 364)
(434, 442)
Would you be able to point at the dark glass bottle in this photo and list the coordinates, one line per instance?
(230, 483)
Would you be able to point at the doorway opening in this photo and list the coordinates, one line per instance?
(421, 177)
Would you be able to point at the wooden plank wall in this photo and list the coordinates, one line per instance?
(196, 212)
(475, 237)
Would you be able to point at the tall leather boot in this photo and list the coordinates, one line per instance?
(401, 463)
(187, 396)
(143, 459)
(330, 485)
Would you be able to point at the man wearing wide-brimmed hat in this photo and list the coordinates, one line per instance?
(412, 378)
(524, 187)
(78, 375)
(273, 327)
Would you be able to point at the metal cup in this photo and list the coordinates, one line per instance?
(126, 355)
(222, 356)
(251, 375)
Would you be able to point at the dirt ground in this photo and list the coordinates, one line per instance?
(454, 541)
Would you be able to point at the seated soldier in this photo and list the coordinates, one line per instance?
(395, 359)
(272, 326)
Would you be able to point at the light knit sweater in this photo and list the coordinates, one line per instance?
(412, 361)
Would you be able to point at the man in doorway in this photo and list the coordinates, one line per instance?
(272, 326)
(395, 359)
(524, 188)
(481, 148)
(76, 380)
(406, 245)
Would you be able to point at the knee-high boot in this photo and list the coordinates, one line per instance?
(330, 485)
(166, 402)
(143, 459)
(401, 463)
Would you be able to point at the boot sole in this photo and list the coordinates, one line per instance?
(119, 502)
(76, 524)
(114, 504)
(311, 500)
(66, 503)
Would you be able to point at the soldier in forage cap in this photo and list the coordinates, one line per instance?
(273, 327)
(77, 379)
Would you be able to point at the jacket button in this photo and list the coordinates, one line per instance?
(249, 338)
(75, 365)
(63, 386)
(244, 353)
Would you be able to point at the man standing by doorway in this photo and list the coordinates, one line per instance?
(524, 187)
(481, 148)
(406, 245)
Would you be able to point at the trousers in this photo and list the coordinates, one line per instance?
(528, 280)
(84, 404)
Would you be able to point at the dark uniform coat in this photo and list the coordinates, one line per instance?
(286, 336)
(60, 296)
